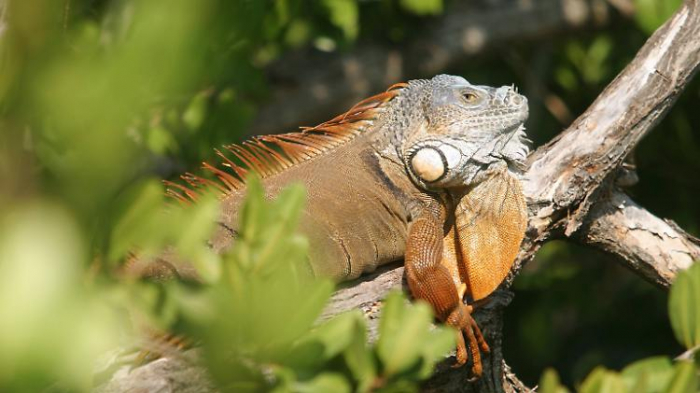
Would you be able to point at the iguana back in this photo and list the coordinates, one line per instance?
(356, 213)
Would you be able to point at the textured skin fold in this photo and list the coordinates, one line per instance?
(490, 224)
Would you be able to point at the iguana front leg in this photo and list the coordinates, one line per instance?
(429, 280)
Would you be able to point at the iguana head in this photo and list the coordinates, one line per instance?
(455, 130)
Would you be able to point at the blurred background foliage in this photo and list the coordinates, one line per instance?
(101, 98)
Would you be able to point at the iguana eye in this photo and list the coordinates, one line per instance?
(470, 97)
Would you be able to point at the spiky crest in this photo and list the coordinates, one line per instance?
(268, 155)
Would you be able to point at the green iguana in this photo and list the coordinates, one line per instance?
(426, 172)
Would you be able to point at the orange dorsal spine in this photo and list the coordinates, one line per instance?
(271, 154)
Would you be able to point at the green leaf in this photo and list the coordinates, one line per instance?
(147, 226)
(650, 14)
(549, 383)
(402, 385)
(402, 330)
(344, 334)
(326, 382)
(601, 380)
(196, 111)
(52, 328)
(298, 33)
(566, 78)
(160, 141)
(196, 224)
(277, 240)
(135, 225)
(344, 15)
(439, 342)
(196, 304)
(251, 219)
(595, 66)
(359, 358)
(253, 209)
(307, 307)
(685, 378)
(422, 7)
(648, 375)
(337, 334)
(684, 306)
(328, 342)
(267, 299)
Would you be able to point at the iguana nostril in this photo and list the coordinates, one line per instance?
(428, 164)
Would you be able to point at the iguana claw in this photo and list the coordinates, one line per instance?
(462, 319)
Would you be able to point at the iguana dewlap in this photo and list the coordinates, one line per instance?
(425, 172)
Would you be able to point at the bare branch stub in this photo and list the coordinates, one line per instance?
(655, 249)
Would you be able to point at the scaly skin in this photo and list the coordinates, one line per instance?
(431, 178)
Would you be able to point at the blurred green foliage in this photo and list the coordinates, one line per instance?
(94, 96)
(145, 225)
(99, 98)
(53, 327)
(423, 7)
(650, 14)
(684, 307)
(655, 374)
